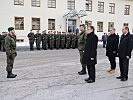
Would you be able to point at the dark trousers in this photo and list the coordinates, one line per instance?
(112, 62)
(31, 46)
(124, 66)
(104, 44)
(91, 71)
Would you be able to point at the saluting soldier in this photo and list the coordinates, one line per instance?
(4, 34)
(81, 46)
(10, 47)
(38, 38)
(44, 40)
(31, 37)
(63, 39)
(68, 40)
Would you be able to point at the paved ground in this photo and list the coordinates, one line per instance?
(52, 75)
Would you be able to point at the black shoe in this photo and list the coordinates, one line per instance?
(82, 72)
(87, 79)
(119, 77)
(11, 75)
(124, 79)
(90, 81)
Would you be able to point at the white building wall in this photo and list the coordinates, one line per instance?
(8, 11)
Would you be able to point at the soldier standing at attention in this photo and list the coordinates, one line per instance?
(63, 39)
(44, 40)
(0, 41)
(81, 45)
(31, 37)
(57, 40)
(4, 34)
(38, 39)
(68, 41)
(10, 47)
(73, 40)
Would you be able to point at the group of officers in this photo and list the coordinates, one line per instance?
(87, 42)
(52, 40)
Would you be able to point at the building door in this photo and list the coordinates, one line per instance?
(71, 25)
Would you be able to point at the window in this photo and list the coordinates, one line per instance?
(88, 5)
(36, 3)
(125, 24)
(111, 8)
(51, 3)
(99, 26)
(88, 23)
(127, 10)
(35, 23)
(19, 23)
(71, 4)
(110, 25)
(18, 2)
(100, 6)
(51, 24)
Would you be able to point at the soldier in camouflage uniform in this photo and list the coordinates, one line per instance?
(73, 40)
(0, 41)
(44, 40)
(57, 40)
(51, 40)
(81, 45)
(68, 41)
(63, 40)
(38, 38)
(4, 34)
(31, 37)
(10, 47)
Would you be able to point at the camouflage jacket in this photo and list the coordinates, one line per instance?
(10, 45)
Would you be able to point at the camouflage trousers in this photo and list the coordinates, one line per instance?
(10, 62)
(81, 52)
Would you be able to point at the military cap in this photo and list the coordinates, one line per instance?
(10, 28)
(82, 25)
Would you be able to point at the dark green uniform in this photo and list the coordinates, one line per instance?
(10, 47)
(63, 40)
(73, 41)
(31, 37)
(81, 45)
(3, 42)
(38, 38)
(68, 41)
(57, 41)
(44, 41)
(51, 41)
(0, 41)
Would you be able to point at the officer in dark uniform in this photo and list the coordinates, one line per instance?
(38, 38)
(31, 37)
(124, 53)
(10, 47)
(44, 40)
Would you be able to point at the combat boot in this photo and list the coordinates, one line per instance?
(82, 72)
(11, 75)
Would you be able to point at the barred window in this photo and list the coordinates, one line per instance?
(19, 23)
(111, 8)
(99, 26)
(100, 6)
(35, 23)
(51, 3)
(71, 4)
(88, 5)
(127, 10)
(36, 3)
(18, 2)
(51, 24)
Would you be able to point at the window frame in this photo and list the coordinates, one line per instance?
(112, 8)
(19, 23)
(101, 4)
(36, 3)
(51, 4)
(51, 27)
(127, 10)
(89, 6)
(71, 2)
(19, 3)
(97, 26)
(32, 23)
